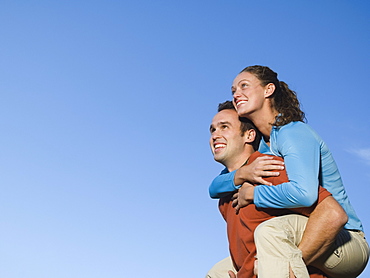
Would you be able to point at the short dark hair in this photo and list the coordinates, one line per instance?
(245, 124)
(226, 105)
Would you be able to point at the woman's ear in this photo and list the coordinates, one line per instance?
(269, 89)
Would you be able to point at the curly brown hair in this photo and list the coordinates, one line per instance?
(284, 100)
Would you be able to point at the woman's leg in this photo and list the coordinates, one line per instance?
(220, 270)
(348, 256)
(276, 242)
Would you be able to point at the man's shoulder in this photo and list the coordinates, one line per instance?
(257, 154)
(274, 180)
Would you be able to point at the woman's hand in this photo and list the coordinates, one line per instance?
(243, 197)
(261, 167)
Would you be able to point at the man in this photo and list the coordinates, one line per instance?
(233, 141)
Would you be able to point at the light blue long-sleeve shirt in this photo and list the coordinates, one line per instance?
(308, 163)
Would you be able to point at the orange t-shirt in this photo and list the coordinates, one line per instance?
(240, 227)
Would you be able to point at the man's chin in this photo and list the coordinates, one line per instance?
(218, 158)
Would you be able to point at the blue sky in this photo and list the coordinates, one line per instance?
(105, 110)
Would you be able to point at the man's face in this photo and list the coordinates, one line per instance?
(226, 141)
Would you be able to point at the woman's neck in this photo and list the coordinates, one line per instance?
(263, 121)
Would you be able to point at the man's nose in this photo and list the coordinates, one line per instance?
(216, 134)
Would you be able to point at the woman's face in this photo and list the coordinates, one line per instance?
(248, 94)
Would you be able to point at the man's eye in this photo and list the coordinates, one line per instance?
(243, 85)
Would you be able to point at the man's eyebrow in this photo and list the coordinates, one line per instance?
(220, 123)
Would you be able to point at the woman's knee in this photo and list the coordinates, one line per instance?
(267, 229)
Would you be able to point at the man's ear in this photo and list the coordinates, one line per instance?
(250, 136)
(269, 89)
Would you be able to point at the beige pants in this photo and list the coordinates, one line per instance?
(220, 269)
(277, 240)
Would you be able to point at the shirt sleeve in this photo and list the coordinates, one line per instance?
(300, 148)
(222, 185)
(323, 193)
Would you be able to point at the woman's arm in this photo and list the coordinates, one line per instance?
(299, 145)
(260, 168)
(222, 185)
(253, 173)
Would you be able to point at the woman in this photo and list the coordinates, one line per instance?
(274, 109)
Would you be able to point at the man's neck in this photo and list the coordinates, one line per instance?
(237, 163)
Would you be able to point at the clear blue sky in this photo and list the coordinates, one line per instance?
(104, 115)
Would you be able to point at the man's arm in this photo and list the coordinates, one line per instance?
(323, 225)
(325, 222)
